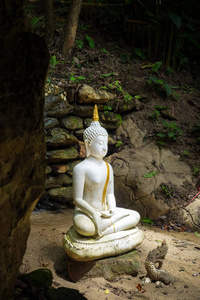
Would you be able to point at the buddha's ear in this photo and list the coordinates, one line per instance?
(87, 148)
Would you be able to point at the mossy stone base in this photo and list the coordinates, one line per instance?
(109, 268)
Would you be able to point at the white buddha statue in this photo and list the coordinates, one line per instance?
(96, 213)
(100, 228)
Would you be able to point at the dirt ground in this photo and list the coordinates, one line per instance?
(44, 250)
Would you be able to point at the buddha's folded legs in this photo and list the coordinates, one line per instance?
(121, 220)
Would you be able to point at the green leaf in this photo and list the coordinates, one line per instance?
(35, 20)
(107, 75)
(161, 107)
(104, 51)
(150, 174)
(168, 89)
(137, 97)
(171, 134)
(71, 78)
(139, 53)
(161, 134)
(197, 234)
(176, 20)
(90, 41)
(53, 61)
(156, 66)
(79, 44)
(147, 220)
(41, 278)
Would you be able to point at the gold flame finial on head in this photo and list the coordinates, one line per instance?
(95, 114)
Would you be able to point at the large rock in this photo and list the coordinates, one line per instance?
(50, 122)
(191, 214)
(62, 194)
(143, 172)
(72, 123)
(110, 120)
(109, 268)
(62, 155)
(87, 94)
(24, 63)
(59, 138)
(56, 106)
(83, 111)
(58, 181)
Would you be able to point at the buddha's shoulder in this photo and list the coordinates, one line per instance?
(82, 166)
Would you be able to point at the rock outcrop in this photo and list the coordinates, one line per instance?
(145, 175)
(24, 64)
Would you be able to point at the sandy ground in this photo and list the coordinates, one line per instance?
(44, 250)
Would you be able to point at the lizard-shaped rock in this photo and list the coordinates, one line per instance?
(154, 262)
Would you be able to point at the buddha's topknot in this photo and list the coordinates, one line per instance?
(95, 129)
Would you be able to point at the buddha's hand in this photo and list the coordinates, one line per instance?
(98, 223)
(107, 213)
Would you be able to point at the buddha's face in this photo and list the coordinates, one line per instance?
(99, 146)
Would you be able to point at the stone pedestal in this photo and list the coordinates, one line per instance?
(109, 268)
(82, 248)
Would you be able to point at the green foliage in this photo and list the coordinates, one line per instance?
(118, 116)
(150, 174)
(35, 20)
(124, 95)
(73, 78)
(165, 190)
(90, 41)
(173, 27)
(196, 171)
(170, 132)
(185, 153)
(79, 44)
(41, 278)
(107, 108)
(54, 62)
(197, 234)
(104, 51)
(155, 115)
(139, 53)
(154, 80)
(118, 144)
(147, 221)
(156, 66)
(107, 75)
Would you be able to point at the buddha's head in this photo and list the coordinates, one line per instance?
(95, 137)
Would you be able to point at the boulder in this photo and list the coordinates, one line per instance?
(87, 94)
(72, 123)
(59, 138)
(108, 268)
(61, 194)
(50, 122)
(191, 214)
(58, 181)
(83, 111)
(61, 155)
(110, 120)
(56, 106)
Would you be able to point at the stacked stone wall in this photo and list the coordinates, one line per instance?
(66, 117)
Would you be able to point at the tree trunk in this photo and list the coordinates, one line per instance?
(23, 63)
(71, 28)
(49, 18)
